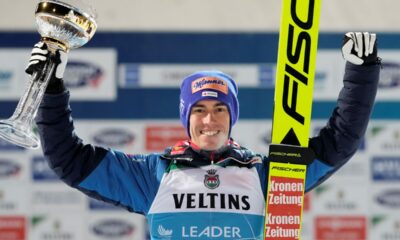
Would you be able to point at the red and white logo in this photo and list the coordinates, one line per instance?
(12, 228)
(160, 137)
(341, 227)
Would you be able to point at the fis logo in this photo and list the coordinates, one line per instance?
(295, 73)
(294, 53)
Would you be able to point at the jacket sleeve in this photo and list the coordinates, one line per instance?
(130, 181)
(340, 138)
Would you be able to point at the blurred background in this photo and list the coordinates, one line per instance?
(125, 93)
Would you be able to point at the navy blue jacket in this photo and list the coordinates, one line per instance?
(146, 184)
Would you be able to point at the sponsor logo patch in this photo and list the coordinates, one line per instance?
(211, 179)
(210, 83)
(163, 232)
(209, 94)
(214, 232)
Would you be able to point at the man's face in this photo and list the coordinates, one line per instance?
(209, 124)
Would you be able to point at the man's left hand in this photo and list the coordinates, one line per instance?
(360, 48)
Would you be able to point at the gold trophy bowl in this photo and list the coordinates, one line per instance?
(63, 25)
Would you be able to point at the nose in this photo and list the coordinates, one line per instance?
(209, 118)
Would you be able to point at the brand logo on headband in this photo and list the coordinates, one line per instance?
(210, 83)
(209, 94)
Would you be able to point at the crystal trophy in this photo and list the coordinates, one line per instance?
(63, 25)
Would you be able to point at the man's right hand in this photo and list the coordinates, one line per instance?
(40, 55)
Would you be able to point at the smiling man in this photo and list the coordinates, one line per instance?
(209, 124)
(208, 108)
(206, 186)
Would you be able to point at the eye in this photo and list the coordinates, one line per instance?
(197, 110)
(221, 109)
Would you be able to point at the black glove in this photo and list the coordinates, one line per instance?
(360, 48)
(40, 55)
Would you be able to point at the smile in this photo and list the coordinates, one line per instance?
(209, 133)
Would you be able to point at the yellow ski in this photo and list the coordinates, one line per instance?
(288, 153)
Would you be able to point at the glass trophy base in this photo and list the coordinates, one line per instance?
(11, 133)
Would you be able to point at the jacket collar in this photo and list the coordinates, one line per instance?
(188, 153)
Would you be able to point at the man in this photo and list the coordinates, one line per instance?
(207, 187)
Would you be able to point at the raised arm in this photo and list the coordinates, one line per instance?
(340, 138)
(130, 181)
(59, 142)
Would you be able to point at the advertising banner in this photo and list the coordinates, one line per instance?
(90, 73)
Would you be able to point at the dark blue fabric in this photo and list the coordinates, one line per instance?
(340, 138)
(68, 156)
